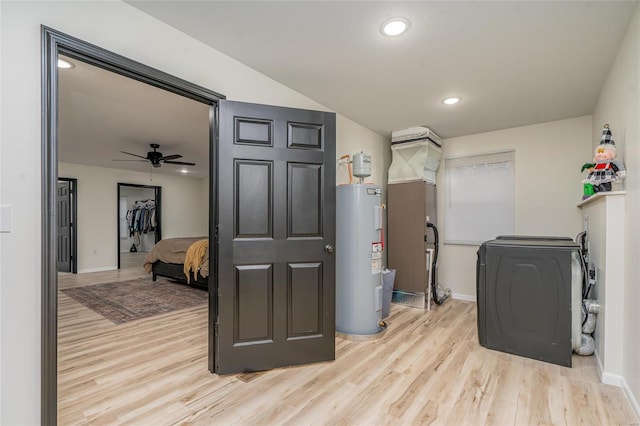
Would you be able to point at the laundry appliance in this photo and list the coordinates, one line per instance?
(529, 294)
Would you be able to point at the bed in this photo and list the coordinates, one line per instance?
(167, 258)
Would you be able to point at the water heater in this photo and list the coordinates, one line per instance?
(359, 259)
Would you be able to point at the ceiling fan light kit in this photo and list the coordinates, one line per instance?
(156, 158)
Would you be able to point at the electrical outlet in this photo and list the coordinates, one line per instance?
(585, 224)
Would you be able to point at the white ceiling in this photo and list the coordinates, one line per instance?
(102, 113)
(513, 63)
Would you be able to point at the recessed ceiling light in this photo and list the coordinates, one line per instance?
(451, 101)
(395, 26)
(184, 171)
(64, 64)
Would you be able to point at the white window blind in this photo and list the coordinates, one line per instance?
(479, 198)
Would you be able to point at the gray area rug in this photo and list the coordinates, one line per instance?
(125, 301)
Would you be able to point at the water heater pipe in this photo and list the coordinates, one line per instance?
(347, 157)
(384, 207)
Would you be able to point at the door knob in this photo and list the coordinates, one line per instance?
(329, 248)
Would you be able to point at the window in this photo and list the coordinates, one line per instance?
(479, 198)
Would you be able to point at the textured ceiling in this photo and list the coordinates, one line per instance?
(513, 63)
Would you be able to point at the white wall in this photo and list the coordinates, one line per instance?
(184, 210)
(356, 139)
(125, 30)
(548, 158)
(618, 106)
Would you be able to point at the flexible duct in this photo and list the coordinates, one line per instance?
(439, 294)
(592, 306)
(590, 324)
(588, 345)
(589, 313)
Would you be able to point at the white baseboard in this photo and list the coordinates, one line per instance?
(101, 269)
(465, 297)
(621, 382)
(612, 379)
(631, 398)
(607, 378)
(599, 364)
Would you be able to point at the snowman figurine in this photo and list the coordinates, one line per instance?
(604, 170)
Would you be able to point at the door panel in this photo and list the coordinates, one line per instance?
(304, 200)
(304, 313)
(304, 135)
(253, 199)
(253, 131)
(276, 213)
(253, 304)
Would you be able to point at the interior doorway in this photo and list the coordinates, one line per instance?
(139, 222)
(67, 210)
(54, 44)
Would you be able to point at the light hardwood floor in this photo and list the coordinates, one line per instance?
(428, 368)
(132, 260)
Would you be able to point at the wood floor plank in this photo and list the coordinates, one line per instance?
(427, 368)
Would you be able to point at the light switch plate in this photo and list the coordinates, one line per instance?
(5, 218)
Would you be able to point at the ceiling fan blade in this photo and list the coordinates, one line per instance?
(183, 163)
(171, 157)
(135, 155)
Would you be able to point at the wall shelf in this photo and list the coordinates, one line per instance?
(603, 218)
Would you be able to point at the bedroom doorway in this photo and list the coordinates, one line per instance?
(280, 161)
(139, 222)
(56, 44)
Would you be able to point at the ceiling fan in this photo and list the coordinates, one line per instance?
(156, 158)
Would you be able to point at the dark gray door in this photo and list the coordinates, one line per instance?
(64, 226)
(276, 215)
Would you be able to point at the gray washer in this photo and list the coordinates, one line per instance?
(524, 288)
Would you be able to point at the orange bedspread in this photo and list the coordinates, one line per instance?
(194, 257)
